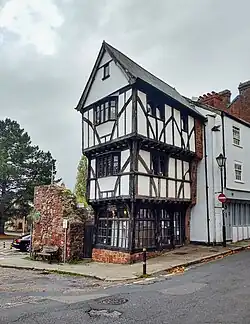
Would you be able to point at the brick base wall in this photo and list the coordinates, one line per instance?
(117, 257)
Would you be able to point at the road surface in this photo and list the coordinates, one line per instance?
(217, 292)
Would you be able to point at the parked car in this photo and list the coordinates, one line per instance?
(22, 243)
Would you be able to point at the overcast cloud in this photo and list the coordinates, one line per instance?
(48, 48)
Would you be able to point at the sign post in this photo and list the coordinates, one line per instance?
(222, 198)
(65, 227)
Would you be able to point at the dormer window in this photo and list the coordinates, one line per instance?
(184, 122)
(106, 110)
(106, 72)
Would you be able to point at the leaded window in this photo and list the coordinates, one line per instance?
(106, 110)
(108, 165)
(113, 228)
(184, 122)
(159, 164)
(145, 227)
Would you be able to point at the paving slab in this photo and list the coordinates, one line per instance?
(184, 256)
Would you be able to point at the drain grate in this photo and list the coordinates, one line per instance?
(180, 253)
(113, 301)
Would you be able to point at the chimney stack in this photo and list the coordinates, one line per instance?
(226, 97)
(244, 87)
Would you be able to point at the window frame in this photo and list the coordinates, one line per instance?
(236, 136)
(106, 71)
(155, 109)
(158, 156)
(110, 228)
(145, 229)
(105, 167)
(184, 122)
(238, 164)
(103, 110)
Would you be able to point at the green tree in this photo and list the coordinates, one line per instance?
(81, 180)
(22, 167)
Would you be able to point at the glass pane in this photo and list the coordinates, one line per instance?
(115, 164)
(109, 165)
(113, 112)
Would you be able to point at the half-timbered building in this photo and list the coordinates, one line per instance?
(143, 141)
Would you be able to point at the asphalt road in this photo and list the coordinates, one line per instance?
(217, 292)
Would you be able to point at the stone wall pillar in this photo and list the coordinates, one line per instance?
(55, 203)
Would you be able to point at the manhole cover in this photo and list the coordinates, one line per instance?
(113, 301)
(180, 253)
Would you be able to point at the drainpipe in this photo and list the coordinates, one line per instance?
(206, 183)
(213, 180)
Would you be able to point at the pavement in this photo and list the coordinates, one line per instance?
(168, 262)
(213, 293)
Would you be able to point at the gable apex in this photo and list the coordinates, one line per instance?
(132, 72)
(99, 61)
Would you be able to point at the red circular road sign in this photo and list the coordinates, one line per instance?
(222, 198)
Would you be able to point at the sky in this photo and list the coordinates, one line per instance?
(48, 49)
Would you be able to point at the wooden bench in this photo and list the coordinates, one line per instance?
(50, 252)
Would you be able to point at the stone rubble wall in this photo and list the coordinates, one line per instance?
(55, 203)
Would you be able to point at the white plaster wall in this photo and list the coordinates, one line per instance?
(198, 226)
(237, 154)
(141, 118)
(101, 88)
(145, 155)
(168, 129)
(198, 220)
(143, 185)
(124, 156)
(192, 138)
(177, 136)
(125, 185)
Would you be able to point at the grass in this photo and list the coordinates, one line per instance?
(144, 276)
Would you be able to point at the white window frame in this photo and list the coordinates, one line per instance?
(236, 135)
(238, 167)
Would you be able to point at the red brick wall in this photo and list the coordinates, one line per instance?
(239, 107)
(108, 256)
(198, 127)
(53, 206)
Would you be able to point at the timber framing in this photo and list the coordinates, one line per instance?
(149, 134)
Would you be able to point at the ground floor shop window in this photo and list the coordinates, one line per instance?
(158, 228)
(145, 229)
(113, 228)
(240, 214)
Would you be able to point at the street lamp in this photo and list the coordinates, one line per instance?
(221, 160)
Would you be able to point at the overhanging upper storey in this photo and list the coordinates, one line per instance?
(122, 99)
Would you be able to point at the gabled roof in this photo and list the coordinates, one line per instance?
(134, 71)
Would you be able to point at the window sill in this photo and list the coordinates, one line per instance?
(239, 181)
(239, 146)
